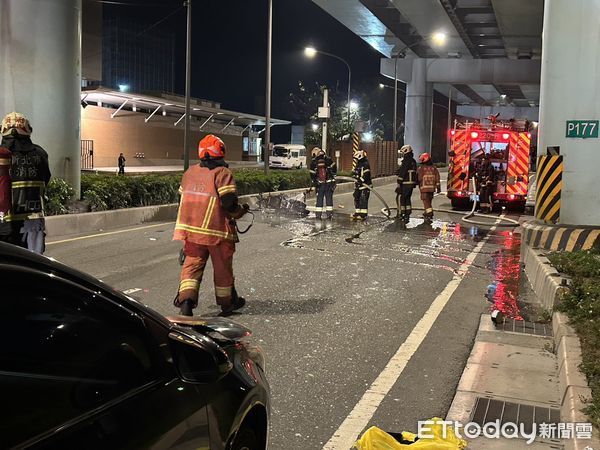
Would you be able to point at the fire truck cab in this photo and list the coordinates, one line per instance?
(508, 150)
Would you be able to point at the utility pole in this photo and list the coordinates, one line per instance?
(268, 88)
(188, 80)
(396, 103)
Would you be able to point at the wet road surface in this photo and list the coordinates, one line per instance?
(331, 303)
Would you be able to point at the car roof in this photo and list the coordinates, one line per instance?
(13, 255)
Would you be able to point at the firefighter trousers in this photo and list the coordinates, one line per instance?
(361, 201)
(427, 198)
(196, 257)
(324, 195)
(485, 197)
(405, 200)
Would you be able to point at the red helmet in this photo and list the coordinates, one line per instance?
(425, 158)
(211, 147)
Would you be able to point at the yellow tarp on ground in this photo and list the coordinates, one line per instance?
(376, 439)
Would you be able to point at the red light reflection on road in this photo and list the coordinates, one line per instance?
(506, 267)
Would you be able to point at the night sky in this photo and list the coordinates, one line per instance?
(229, 49)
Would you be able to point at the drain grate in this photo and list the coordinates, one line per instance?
(489, 410)
(523, 326)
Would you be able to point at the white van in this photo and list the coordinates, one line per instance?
(288, 156)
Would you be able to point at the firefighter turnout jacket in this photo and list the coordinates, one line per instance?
(407, 172)
(429, 178)
(322, 170)
(362, 174)
(208, 206)
(29, 175)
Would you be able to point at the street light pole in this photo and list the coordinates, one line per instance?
(188, 79)
(268, 87)
(311, 52)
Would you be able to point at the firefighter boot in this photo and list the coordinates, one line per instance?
(185, 309)
(236, 303)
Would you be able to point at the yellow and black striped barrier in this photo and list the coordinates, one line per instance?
(559, 238)
(355, 148)
(549, 188)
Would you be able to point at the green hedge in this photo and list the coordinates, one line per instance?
(582, 304)
(107, 191)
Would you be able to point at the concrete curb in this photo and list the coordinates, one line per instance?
(546, 282)
(72, 224)
(573, 388)
(559, 237)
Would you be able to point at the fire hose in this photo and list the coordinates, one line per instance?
(467, 218)
(385, 210)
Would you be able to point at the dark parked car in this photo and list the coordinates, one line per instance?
(83, 366)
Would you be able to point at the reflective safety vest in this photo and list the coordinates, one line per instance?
(5, 189)
(201, 218)
(429, 178)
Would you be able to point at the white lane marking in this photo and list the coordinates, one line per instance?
(132, 291)
(346, 435)
(108, 233)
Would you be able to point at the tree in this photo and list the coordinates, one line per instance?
(305, 101)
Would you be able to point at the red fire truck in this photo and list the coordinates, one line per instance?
(507, 144)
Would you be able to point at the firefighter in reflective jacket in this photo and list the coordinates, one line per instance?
(5, 195)
(362, 175)
(323, 171)
(486, 181)
(206, 224)
(29, 175)
(407, 180)
(429, 182)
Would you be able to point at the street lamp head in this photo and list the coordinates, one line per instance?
(315, 127)
(123, 87)
(381, 85)
(439, 38)
(311, 52)
(353, 105)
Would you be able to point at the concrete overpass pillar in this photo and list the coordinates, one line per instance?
(40, 75)
(570, 90)
(419, 104)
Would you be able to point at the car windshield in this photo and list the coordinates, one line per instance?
(280, 151)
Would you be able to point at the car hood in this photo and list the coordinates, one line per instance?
(225, 327)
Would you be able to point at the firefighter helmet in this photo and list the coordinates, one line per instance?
(315, 152)
(359, 154)
(425, 158)
(406, 149)
(211, 147)
(15, 122)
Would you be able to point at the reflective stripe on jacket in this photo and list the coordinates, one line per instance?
(429, 178)
(201, 218)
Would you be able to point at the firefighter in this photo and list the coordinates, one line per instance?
(29, 175)
(407, 180)
(206, 224)
(486, 181)
(362, 175)
(429, 182)
(5, 195)
(323, 171)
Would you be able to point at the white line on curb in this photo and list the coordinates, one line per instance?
(346, 435)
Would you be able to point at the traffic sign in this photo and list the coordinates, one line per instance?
(582, 129)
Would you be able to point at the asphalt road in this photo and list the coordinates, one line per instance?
(337, 306)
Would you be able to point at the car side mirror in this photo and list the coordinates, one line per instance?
(198, 359)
